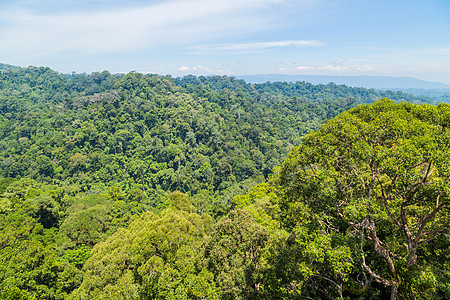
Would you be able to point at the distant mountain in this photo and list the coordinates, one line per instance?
(375, 82)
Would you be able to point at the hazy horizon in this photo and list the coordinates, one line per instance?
(230, 37)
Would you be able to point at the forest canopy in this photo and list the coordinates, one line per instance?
(140, 186)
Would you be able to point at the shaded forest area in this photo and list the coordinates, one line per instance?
(134, 186)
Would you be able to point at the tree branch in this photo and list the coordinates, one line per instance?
(332, 281)
(434, 234)
(427, 174)
(378, 245)
(413, 246)
(408, 233)
(430, 216)
(372, 274)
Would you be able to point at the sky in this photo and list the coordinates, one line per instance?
(230, 37)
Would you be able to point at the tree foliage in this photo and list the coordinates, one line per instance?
(151, 187)
(373, 184)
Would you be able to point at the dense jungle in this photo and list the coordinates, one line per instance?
(141, 186)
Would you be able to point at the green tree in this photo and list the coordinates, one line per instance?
(374, 184)
(15, 293)
(157, 257)
(233, 253)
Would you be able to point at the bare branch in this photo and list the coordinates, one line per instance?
(433, 235)
(339, 286)
(427, 174)
(382, 187)
(372, 274)
(408, 233)
(378, 245)
(430, 216)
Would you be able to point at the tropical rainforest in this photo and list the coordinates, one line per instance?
(141, 186)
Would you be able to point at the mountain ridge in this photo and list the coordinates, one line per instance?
(376, 82)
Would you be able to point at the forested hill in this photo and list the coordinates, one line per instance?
(213, 134)
(190, 134)
(82, 156)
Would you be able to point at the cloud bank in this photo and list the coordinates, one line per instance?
(254, 47)
(134, 28)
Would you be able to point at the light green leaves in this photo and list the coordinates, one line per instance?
(156, 257)
(375, 181)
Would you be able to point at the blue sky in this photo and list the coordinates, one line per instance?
(231, 37)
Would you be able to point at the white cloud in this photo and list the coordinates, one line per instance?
(334, 68)
(183, 69)
(263, 45)
(303, 68)
(256, 46)
(350, 66)
(164, 23)
(201, 68)
(364, 69)
(340, 66)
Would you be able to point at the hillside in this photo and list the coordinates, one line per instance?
(107, 179)
(218, 135)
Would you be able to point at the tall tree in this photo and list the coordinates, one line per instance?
(377, 177)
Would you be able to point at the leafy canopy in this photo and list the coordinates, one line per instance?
(374, 184)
